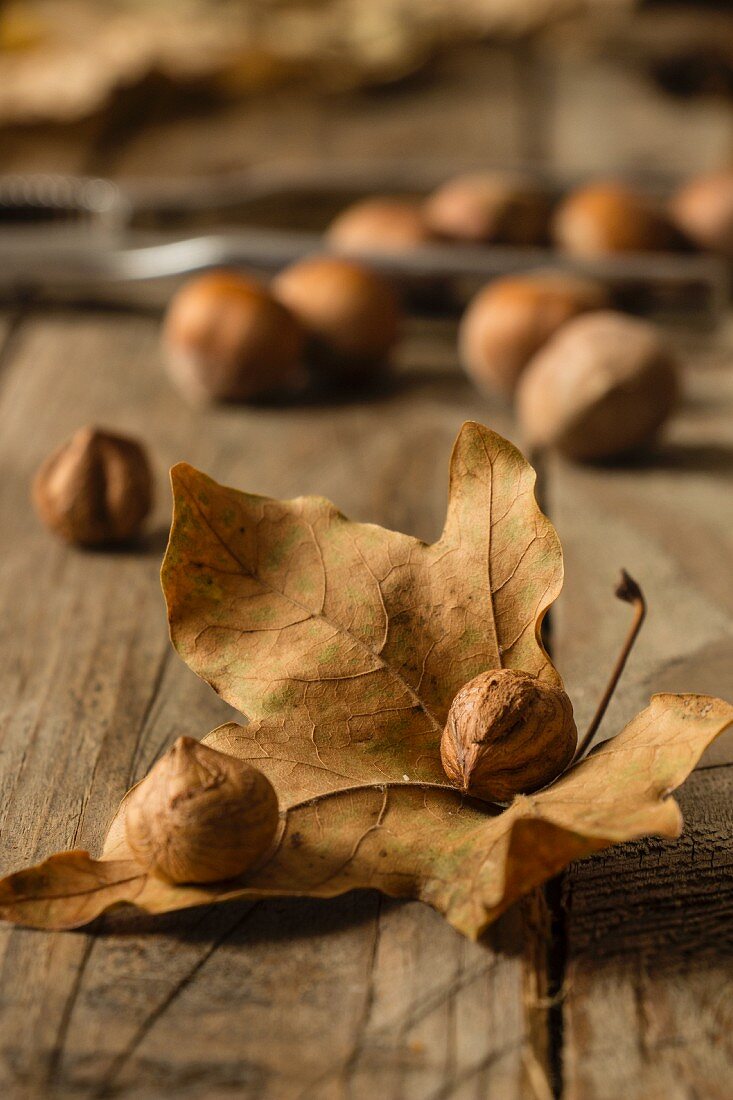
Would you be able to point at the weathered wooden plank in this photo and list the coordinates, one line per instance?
(648, 1004)
(312, 1000)
(649, 964)
(280, 999)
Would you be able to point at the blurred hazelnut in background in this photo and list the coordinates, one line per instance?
(352, 315)
(511, 318)
(703, 210)
(226, 338)
(604, 218)
(602, 386)
(95, 490)
(378, 224)
(489, 207)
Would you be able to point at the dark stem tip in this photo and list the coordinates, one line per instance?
(628, 589)
(630, 592)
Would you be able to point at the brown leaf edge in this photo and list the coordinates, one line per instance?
(415, 841)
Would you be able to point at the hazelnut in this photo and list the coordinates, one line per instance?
(511, 318)
(703, 210)
(378, 224)
(602, 386)
(608, 217)
(201, 815)
(352, 314)
(507, 733)
(489, 207)
(226, 338)
(95, 490)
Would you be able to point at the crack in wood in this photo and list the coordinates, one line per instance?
(152, 699)
(105, 1085)
(555, 963)
(57, 1051)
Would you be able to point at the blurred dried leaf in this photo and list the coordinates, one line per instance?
(63, 59)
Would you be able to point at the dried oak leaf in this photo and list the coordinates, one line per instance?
(464, 858)
(345, 645)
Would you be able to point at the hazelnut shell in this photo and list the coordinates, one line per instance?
(601, 387)
(200, 815)
(94, 490)
(352, 315)
(511, 318)
(226, 338)
(507, 733)
(703, 210)
(488, 207)
(608, 217)
(378, 224)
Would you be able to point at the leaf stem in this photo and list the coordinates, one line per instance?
(629, 591)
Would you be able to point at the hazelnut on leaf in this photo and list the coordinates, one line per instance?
(602, 386)
(201, 815)
(511, 318)
(353, 315)
(507, 733)
(488, 207)
(95, 490)
(378, 224)
(609, 217)
(226, 338)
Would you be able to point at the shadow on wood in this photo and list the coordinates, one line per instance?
(276, 920)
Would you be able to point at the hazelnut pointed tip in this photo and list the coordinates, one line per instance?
(184, 743)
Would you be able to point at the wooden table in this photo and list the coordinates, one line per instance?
(613, 982)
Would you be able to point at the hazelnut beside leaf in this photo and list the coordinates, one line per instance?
(201, 815)
(226, 338)
(608, 217)
(511, 318)
(602, 386)
(352, 315)
(378, 224)
(488, 207)
(95, 490)
(507, 733)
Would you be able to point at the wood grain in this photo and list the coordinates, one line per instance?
(648, 1007)
(282, 999)
(359, 996)
(648, 950)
